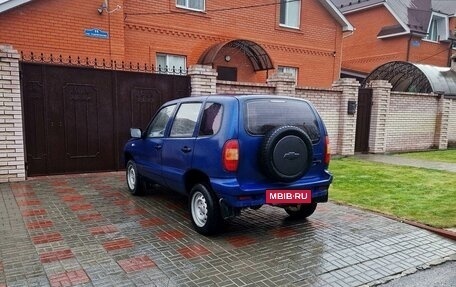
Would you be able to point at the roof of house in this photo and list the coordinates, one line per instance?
(332, 9)
(9, 4)
(444, 6)
(337, 14)
(413, 16)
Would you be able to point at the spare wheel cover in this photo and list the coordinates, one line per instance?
(286, 153)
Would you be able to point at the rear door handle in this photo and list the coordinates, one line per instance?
(186, 149)
(158, 146)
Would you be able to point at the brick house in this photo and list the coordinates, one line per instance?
(244, 41)
(78, 95)
(418, 31)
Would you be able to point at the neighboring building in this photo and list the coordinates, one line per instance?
(417, 31)
(244, 40)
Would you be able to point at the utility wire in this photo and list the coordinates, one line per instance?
(216, 10)
(440, 52)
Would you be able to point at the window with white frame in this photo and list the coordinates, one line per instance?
(290, 12)
(289, 70)
(171, 64)
(197, 5)
(438, 28)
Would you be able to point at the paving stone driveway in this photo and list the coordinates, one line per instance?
(87, 230)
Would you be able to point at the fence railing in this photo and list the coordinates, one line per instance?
(101, 64)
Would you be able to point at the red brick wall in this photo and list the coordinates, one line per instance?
(310, 49)
(363, 51)
(52, 26)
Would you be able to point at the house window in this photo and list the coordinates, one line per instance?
(290, 13)
(171, 64)
(290, 70)
(197, 5)
(438, 29)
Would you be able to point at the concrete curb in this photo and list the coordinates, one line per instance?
(442, 232)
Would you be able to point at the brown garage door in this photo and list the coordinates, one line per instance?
(78, 119)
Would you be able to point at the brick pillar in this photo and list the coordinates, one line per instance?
(203, 80)
(12, 161)
(347, 123)
(381, 92)
(285, 84)
(442, 123)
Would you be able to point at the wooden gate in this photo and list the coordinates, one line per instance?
(78, 119)
(363, 120)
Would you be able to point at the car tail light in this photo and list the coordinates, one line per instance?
(230, 155)
(327, 150)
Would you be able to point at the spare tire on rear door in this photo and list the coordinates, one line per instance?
(286, 153)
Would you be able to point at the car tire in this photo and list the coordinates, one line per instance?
(134, 182)
(204, 210)
(301, 211)
(286, 153)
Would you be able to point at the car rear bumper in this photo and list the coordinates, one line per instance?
(250, 195)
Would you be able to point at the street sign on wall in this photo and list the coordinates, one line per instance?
(96, 33)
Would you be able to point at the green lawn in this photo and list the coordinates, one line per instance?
(438, 155)
(420, 195)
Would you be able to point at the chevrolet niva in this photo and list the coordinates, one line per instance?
(231, 152)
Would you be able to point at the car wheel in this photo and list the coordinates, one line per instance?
(134, 182)
(205, 210)
(286, 154)
(301, 210)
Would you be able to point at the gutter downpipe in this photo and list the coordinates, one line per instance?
(408, 47)
(450, 53)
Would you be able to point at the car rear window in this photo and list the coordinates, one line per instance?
(266, 114)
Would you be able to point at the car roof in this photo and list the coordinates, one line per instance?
(232, 97)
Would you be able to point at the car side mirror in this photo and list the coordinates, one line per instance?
(135, 133)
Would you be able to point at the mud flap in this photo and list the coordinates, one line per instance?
(227, 210)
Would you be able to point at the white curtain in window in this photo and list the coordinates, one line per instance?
(171, 64)
(177, 63)
(433, 33)
(192, 4)
(196, 4)
(161, 62)
(290, 12)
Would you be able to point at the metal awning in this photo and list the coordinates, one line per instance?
(255, 53)
(420, 78)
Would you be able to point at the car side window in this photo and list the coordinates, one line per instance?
(185, 120)
(158, 126)
(211, 119)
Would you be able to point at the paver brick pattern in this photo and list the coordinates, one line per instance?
(86, 230)
(136, 264)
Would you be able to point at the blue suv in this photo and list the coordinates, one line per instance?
(231, 152)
